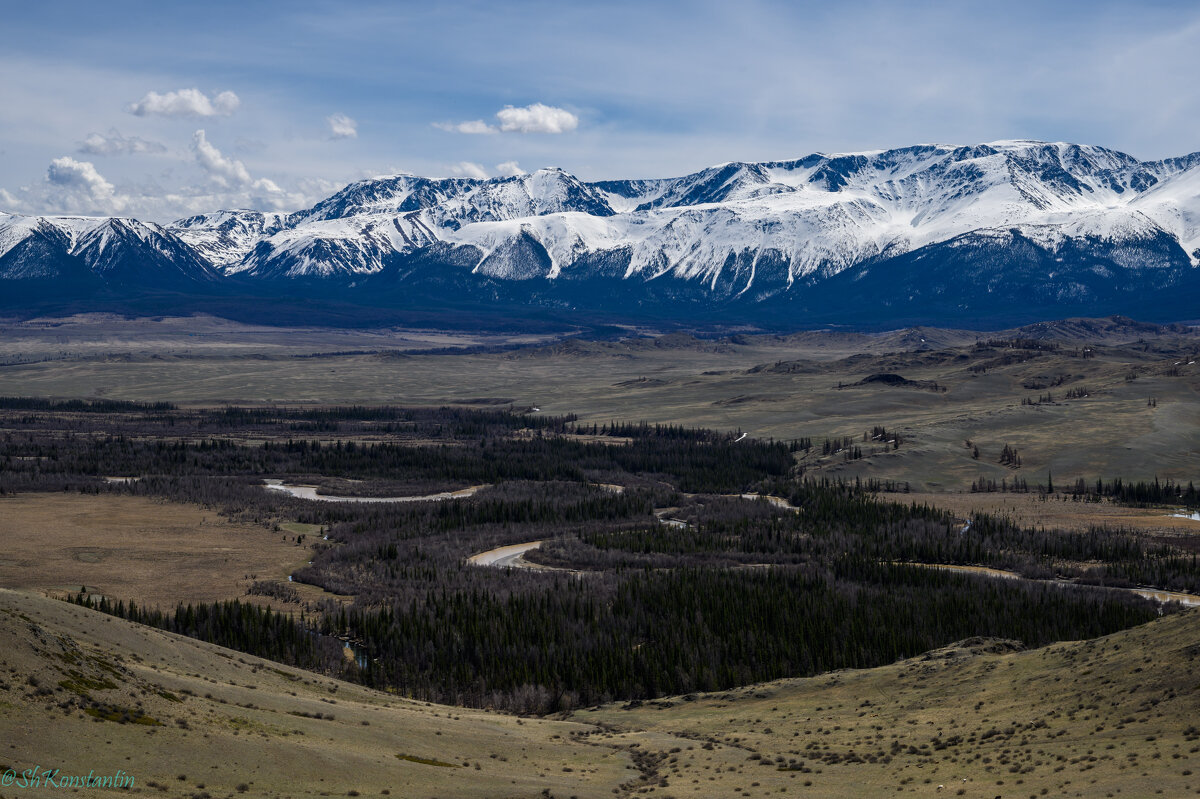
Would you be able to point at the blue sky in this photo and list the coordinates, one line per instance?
(160, 109)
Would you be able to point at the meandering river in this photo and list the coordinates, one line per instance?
(310, 492)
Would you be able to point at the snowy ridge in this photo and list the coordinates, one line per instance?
(324, 248)
(225, 238)
(735, 231)
(118, 250)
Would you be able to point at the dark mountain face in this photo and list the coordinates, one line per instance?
(42, 255)
(1001, 276)
(128, 257)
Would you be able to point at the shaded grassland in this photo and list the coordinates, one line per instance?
(202, 336)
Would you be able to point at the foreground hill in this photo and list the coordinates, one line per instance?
(81, 691)
(993, 233)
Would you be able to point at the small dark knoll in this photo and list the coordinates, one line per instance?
(891, 379)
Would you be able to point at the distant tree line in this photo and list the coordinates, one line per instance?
(1141, 493)
(105, 406)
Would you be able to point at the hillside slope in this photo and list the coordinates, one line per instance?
(981, 718)
(229, 719)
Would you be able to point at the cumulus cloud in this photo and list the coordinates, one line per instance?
(69, 187)
(113, 143)
(535, 118)
(185, 103)
(79, 176)
(509, 169)
(467, 169)
(221, 170)
(342, 127)
(229, 173)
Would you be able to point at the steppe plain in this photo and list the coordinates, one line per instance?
(1139, 415)
(1110, 717)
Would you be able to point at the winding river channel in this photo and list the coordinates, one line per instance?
(511, 556)
(310, 492)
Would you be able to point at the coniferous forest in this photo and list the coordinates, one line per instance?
(673, 560)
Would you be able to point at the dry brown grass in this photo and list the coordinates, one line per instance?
(1110, 717)
(155, 552)
(229, 719)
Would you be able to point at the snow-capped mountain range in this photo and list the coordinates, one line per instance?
(929, 229)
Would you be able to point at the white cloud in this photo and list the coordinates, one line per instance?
(223, 171)
(342, 126)
(509, 169)
(229, 173)
(77, 187)
(467, 169)
(69, 187)
(80, 176)
(113, 143)
(475, 126)
(185, 103)
(536, 118)
(263, 194)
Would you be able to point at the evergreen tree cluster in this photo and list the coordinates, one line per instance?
(233, 624)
